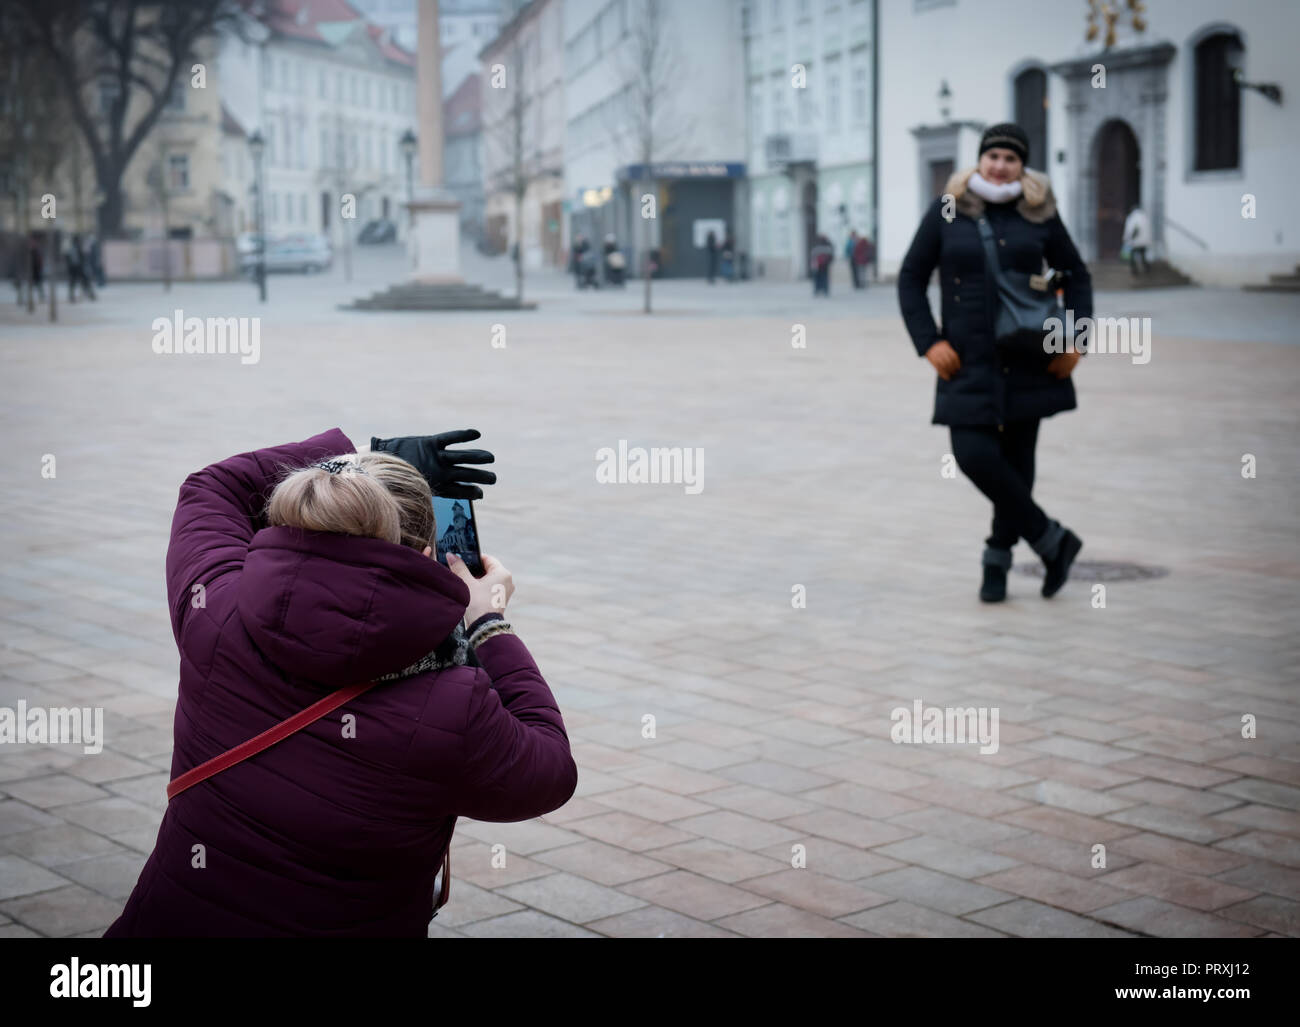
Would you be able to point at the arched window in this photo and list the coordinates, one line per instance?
(1218, 103)
(1031, 113)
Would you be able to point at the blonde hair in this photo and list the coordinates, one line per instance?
(375, 495)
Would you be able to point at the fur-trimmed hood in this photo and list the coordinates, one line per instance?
(1037, 202)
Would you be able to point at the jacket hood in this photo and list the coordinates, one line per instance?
(1037, 202)
(341, 609)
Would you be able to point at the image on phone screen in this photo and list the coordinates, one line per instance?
(457, 533)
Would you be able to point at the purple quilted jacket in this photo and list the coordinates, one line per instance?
(336, 831)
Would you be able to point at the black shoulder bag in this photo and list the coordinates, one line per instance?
(1022, 302)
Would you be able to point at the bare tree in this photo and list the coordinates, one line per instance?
(106, 54)
(511, 142)
(35, 142)
(650, 67)
(158, 178)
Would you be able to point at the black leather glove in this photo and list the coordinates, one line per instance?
(441, 466)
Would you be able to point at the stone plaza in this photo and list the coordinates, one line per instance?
(727, 659)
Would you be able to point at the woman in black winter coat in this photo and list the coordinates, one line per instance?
(991, 400)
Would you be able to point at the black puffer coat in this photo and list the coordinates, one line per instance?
(990, 388)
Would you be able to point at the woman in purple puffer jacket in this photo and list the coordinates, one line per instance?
(340, 829)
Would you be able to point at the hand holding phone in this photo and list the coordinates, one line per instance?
(488, 593)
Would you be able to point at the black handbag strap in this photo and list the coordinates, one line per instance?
(992, 270)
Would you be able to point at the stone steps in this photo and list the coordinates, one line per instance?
(428, 296)
(1278, 283)
(1115, 275)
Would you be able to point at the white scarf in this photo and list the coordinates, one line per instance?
(993, 192)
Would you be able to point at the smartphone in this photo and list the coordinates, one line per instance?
(457, 532)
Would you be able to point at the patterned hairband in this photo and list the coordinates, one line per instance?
(335, 466)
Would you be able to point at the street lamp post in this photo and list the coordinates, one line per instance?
(408, 144)
(256, 145)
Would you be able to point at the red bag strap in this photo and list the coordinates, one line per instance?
(279, 733)
(266, 739)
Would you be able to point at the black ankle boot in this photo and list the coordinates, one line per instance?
(1057, 569)
(996, 564)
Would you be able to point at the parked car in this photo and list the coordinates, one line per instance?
(306, 253)
(380, 230)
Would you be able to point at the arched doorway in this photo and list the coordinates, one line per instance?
(809, 224)
(1119, 184)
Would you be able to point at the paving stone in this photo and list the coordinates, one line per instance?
(601, 863)
(526, 924)
(1263, 845)
(63, 912)
(570, 898)
(1175, 886)
(51, 791)
(1268, 911)
(905, 920)
(19, 876)
(781, 921)
(656, 922)
(1025, 918)
(946, 856)
(52, 846)
(824, 896)
(1053, 888)
(114, 875)
(937, 891)
(628, 832)
(694, 895)
(1165, 920)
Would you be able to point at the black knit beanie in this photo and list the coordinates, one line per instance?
(1008, 136)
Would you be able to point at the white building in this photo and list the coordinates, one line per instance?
(332, 95)
(523, 135)
(1155, 119)
(810, 67)
(697, 167)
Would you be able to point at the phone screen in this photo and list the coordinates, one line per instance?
(457, 532)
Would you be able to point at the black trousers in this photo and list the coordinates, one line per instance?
(1001, 464)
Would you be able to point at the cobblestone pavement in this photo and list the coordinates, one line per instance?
(1120, 726)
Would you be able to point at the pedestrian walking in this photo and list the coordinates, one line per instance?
(1137, 237)
(993, 398)
(37, 262)
(850, 249)
(711, 244)
(820, 258)
(864, 255)
(340, 829)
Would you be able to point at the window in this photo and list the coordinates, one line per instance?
(178, 172)
(275, 210)
(338, 86)
(833, 97)
(176, 98)
(858, 100)
(324, 147)
(354, 92)
(802, 101)
(302, 208)
(1218, 103)
(321, 90)
(756, 110)
(1031, 113)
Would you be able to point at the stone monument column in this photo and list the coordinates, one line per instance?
(435, 212)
